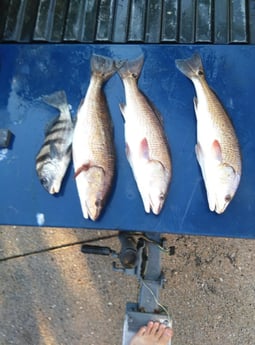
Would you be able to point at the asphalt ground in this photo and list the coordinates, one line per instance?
(52, 294)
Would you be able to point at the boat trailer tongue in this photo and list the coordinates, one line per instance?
(139, 256)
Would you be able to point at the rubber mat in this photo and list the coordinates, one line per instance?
(30, 71)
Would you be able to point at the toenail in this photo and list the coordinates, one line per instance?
(168, 331)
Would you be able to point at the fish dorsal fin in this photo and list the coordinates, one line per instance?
(216, 151)
(144, 149)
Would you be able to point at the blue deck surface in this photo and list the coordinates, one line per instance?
(29, 71)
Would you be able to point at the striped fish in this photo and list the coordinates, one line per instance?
(55, 154)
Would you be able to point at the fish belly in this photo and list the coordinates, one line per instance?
(93, 156)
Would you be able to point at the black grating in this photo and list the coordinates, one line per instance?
(123, 21)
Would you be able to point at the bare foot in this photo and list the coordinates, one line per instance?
(154, 333)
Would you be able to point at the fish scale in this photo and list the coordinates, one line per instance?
(145, 119)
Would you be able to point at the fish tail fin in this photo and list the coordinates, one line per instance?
(131, 68)
(191, 67)
(102, 66)
(57, 100)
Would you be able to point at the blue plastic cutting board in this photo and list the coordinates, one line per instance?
(29, 71)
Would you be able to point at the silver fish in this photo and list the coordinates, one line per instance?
(146, 145)
(217, 148)
(55, 154)
(93, 148)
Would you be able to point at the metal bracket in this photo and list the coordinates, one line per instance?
(6, 137)
(140, 258)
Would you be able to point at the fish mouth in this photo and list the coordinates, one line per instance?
(52, 190)
(220, 210)
(155, 208)
(93, 213)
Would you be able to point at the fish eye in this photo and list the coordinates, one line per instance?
(162, 197)
(98, 203)
(134, 75)
(200, 72)
(227, 197)
(44, 181)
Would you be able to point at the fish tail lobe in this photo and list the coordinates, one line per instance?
(191, 67)
(131, 68)
(102, 66)
(57, 100)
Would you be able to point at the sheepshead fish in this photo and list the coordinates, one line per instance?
(55, 154)
(217, 148)
(93, 148)
(146, 146)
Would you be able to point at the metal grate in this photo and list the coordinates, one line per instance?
(123, 21)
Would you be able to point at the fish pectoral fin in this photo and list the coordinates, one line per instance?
(144, 149)
(216, 150)
(84, 167)
(87, 167)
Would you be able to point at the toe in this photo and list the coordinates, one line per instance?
(161, 330)
(155, 328)
(142, 331)
(149, 327)
(166, 335)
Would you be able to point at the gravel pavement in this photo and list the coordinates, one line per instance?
(52, 294)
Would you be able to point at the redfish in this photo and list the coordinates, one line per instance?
(146, 145)
(217, 149)
(93, 147)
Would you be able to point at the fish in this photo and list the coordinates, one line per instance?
(217, 149)
(146, 145)
(54, 156)
(93, 142)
